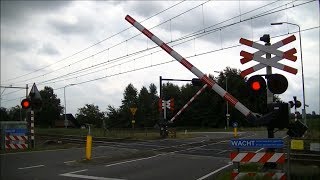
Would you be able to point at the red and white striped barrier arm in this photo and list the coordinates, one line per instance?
(262, 157)
(204, 78)
(188, 103)
(278, 176)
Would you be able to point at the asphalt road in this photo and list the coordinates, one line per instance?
(194, 158)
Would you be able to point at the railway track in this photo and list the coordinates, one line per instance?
(308, 157)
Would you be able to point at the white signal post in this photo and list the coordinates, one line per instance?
(204, 78)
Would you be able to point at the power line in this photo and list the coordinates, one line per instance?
(201, 34)
(108, 47)
(188, 36)
(99, 42)
(204, 33)
(204, 53)
(200, 54)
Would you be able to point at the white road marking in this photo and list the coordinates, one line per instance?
(223, 151)
(124, 162)
(208, 175)
(29, 167)
(66, 162)
(72, 174)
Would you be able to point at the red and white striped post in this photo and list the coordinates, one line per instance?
(188, 103)
(32, 142)
(204, 78)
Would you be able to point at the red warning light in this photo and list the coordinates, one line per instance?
(256, 83)
(25, 104)
(256, 86)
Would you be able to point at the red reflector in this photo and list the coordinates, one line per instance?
(256, 86)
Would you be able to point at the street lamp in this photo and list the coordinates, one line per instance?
(303, 92)
(227, 115)
(65, 105)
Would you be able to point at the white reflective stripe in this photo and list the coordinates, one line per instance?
(219, 90)
(138, 26)
(244, 110)
(177, 56)
(239, 157)
(241, 175)
(257, 157)
(156, 40)
(275, 157)
(197, 72)
(12, 146)
(268, 49)
(32, 131)
(32, 137)
(278, 175)
(272, 62)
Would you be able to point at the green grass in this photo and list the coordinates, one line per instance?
(314, 129)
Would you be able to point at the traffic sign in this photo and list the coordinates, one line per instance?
(272, 49)
(257, 143)
(133, 110)
(15, 131)
(235, 124)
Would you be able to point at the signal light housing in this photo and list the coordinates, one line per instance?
(277, 83)
(26, 103)
(256, 84)
(196, 82)
(281, 117)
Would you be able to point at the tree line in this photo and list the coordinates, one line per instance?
(207, 110)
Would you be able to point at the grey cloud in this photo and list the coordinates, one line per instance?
(144, 8)
(15, 45)
(82, 25)
(48, 49)
(12, 11)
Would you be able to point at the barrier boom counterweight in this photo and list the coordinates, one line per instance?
(204, 78)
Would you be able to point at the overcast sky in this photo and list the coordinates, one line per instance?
(55, 43)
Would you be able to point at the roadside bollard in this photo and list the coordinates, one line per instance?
(235, 126)
(88, 145)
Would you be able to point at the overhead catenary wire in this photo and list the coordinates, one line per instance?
(191, 35)
(263, 14)
(113, 46)
(99, 42)
(198, 34)
(257, 16)
(118, 58)
(204, 53)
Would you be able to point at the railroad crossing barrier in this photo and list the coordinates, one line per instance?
(257, 157)
(251, 116)
(13, 135)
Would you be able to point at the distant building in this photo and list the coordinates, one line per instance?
(72, 122)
